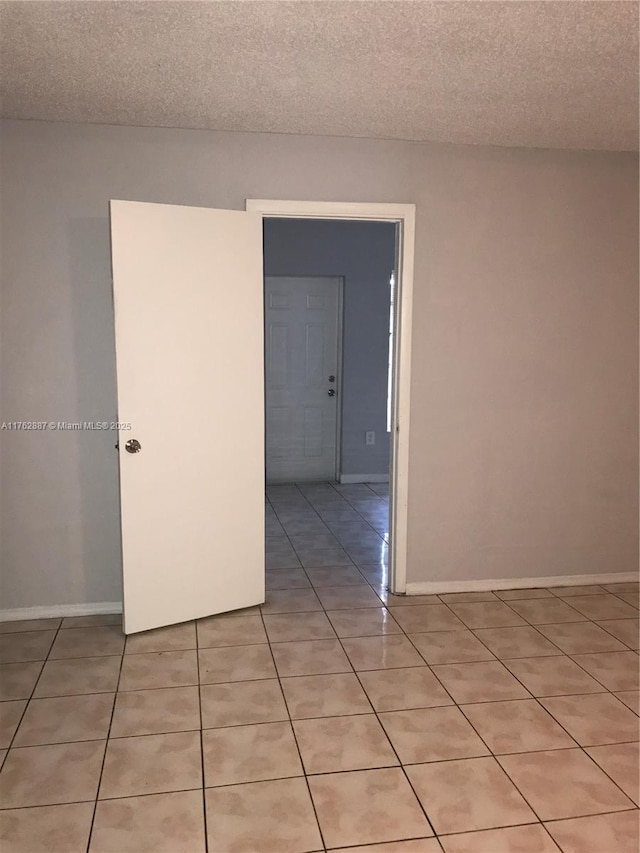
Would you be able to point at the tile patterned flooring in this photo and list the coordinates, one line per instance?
(334, 717)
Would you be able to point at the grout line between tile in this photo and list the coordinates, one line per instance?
(400, 764)
(280, 678)
(295, 738)
(578, 745)
(202, 730)
(104, 754)
(24, 710)
(491, 753)
(456, 704)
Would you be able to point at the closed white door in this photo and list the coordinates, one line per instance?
(187, 286)
(302, 377)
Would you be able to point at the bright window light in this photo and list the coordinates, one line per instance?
(392, 299)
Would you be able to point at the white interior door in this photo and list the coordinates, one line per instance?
(187, 288)
(302, 373)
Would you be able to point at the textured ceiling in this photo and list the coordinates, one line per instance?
(548, 74)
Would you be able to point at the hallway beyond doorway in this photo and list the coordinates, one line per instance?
(337, 531)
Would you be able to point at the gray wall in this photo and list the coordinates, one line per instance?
(364, 253)
(524, 399)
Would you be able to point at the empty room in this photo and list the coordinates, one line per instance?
(319, 426)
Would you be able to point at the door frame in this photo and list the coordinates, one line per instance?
(404, 217)
(339, 332)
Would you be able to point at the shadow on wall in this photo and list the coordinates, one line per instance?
(92, 453)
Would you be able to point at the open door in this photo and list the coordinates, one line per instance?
(188, 300)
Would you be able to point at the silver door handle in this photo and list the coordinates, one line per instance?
(331, 392)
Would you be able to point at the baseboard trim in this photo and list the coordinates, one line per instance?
(48, 612)
(363, 478)
(436, 587)
(419, 588)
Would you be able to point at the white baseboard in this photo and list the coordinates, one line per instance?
(436, 587)
(363, 478)
(47, 612)
(419, 588)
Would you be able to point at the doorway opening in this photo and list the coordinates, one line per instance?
(153, 246)
(337, 290)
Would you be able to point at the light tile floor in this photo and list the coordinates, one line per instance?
(335, 717)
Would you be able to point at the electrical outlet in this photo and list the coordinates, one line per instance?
(370, 437)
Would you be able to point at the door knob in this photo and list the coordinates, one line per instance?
(133, 446)
(331, 392)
